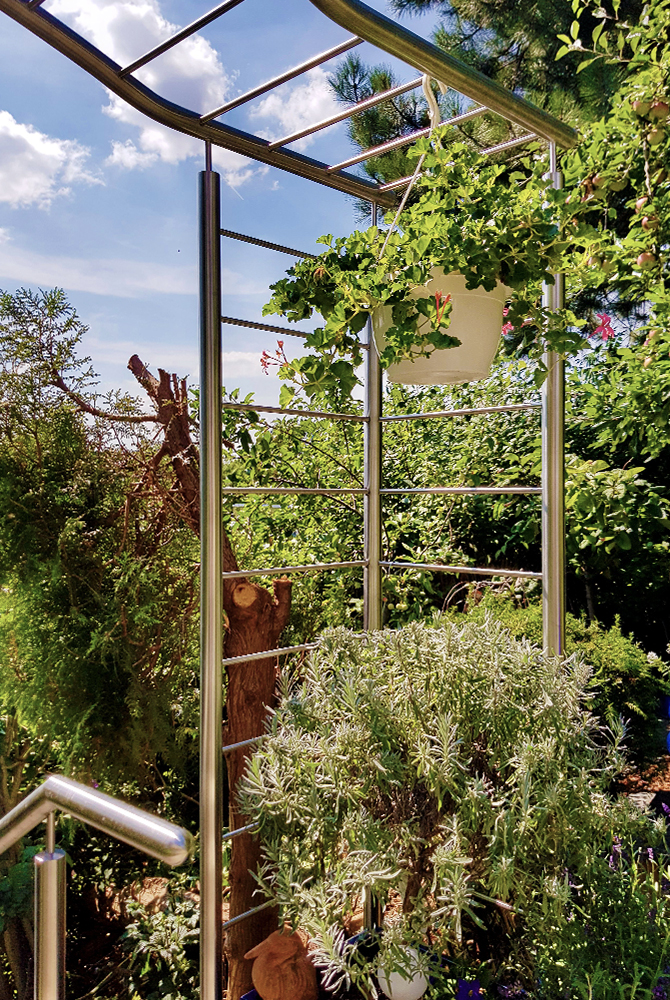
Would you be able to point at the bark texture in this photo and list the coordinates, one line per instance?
(255, 619)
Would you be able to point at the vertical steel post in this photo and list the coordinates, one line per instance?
(50, 870)
(553, 471)
(211, 597)
(372, 449)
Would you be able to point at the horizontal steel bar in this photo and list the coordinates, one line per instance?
(439, 568)
(288, 490)
(248, 913)
(295, 413)
(354, 109)
(510, 144)
(400, 182)
(265, 243)
(467, 490)
(148, 833)
(426, 57)
(180, 36)
(244, 743)
(463, 413)
(240, 830)
(290, 74)
(404, 140)
(267, 327)
(267, 653)
(308, 568)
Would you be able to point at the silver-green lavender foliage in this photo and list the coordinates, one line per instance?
(455, 765)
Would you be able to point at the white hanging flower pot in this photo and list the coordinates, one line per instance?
(476, 319)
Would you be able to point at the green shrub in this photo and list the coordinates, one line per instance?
(626, 682)
(456, 767)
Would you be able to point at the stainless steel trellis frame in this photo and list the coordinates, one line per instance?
(365, 25)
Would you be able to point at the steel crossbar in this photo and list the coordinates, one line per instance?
(467, 490)
(266, 654)
(248, 913)
(180, 36)
(466, 412)
(316, 414)
(265, 327)
(265, 243)
(440, 568)
(297, 490)
(355, 109)
(405, 140)
(277, 81)
(244, 574)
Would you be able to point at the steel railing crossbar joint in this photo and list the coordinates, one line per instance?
(255, 241)
(440, 568)
(180, 36)
(467, 490)
(267, 653)
(277, 81)
(369, 102)
(469, 411)
(244, 743)
(323, 414)
(307, 568)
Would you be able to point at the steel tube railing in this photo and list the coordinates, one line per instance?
(277, 81)
(307, 568)
(179, 36)
(267, 653)
(211, 588)
(372, 512)
(404, 140)
(354, 109)
(553, 472)
(248, 913)
(324, 414)
(231, 747)
(480, 571)
(239, 831)
(265, 244)
(467, 412)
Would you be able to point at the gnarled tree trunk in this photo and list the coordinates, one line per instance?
(256, 618)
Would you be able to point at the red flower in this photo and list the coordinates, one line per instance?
(441, 303)
(604, 329)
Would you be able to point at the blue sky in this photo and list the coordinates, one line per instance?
(102, 202)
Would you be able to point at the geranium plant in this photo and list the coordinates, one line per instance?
(470, 216)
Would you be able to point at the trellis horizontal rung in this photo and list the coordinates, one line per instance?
(295, 490)
(244, 743)
(500, 148)
(295, 413)
(467, 490)
(354, 109)
(266, 327)
(290, 74)
(404, 140)
(308, 568)
(240, 830)
(439, 568)
(248, 913)
(180, 36)
(511, 408)
(267, 653)
(266, 244)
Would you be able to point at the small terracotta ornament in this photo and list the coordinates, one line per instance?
(282, 969)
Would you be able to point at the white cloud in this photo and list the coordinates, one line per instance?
(191, 74)
(110, 276)
(180, 358)
(36, 168)
(241, 363)
(296, 107)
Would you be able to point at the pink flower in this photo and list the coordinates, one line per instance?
(507, 328)
(441, 303)
(604, 329)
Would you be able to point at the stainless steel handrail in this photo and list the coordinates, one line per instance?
(477, 570)
(150, 834)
